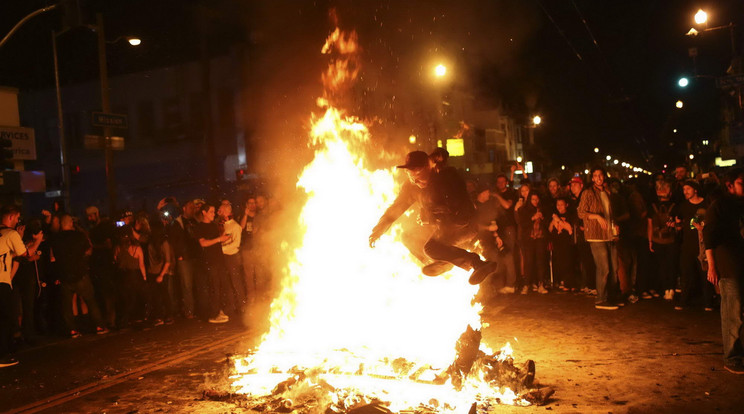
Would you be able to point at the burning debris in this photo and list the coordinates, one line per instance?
(326, 352)
(474, 373)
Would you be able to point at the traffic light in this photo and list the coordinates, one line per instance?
(6, 154)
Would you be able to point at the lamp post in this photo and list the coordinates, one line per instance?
(65, 179)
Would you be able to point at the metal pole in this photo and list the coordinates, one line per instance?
(106, 107)
(61, 126)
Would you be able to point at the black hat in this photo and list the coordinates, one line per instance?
(416, 160)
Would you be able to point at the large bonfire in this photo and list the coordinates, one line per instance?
(352, 325)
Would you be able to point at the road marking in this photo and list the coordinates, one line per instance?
(81, 391)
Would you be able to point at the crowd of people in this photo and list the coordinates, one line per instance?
(62, 275)
(618, 241)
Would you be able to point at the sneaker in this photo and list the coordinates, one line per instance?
(708, 309)
(654, 293)
(541, 289)
(75, 334)
(734, 367)
(484, 270)
(646, 295)
(8, 362)
(102, 331)
(506, 290)
(592, 292)
(217, 319)
(437, 268)
(632, 298)
(605, 306)
(620, 303)
(669, 294)
(525, 290)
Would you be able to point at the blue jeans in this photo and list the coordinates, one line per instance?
(605, 260)
(731, 320)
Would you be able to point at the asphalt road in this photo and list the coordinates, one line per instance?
(645, 358)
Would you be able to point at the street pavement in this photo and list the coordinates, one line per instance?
(644, 358)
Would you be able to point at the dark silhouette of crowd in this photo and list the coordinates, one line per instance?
(68, 276)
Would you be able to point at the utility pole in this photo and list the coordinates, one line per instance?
(106, 108)
(61, 130)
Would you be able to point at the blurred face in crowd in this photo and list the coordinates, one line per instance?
(54, 226)
(470, 187)
(128, 220)
(689, 192)
(93, 217)
(598, 178)
(524, 190)
(189, 209)
(208, 215)
(484, 195)
(501, 183)
(680, 173)
(12, 220)
(225, 211)
(576, 188)
(534, 200)
(251, 205)
(663, 192)
(420, 177)
(260, 202)
(561, 206)
(553, 187)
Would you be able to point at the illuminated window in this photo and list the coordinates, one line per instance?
(456, 147)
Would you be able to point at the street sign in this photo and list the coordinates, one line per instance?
(97, 142)
(103, 119)
(23, 142)
(730, 81)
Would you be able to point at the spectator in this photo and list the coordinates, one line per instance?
(638, 241)
(186, 251)
(132, 276)
(26, 282)
(486, 210)
(596, 211)
(689, 218)
(71, 251)
(506, 221)
(564, 250)
(533, 232)
(723, 249)
(159, 271)
(585, 261)
(661, 236)
(231, 251)
(102, 236)
(11, 246)
(210, 238)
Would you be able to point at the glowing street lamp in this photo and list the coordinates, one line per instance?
(596, 150)
(683, 82)
(609, 157)
(440, 71)
(412, 139)
(679, 104)
(701, 17)
(536, 120)
(134, 41)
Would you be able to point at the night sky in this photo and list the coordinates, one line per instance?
(601, 73)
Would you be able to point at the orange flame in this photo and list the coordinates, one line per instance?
(348, 312)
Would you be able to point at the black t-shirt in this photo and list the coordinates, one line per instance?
(686, 211)
(69, 247)
(209, 231)
(246, 238)
(506, 217)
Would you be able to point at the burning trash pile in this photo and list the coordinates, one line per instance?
(356, 329)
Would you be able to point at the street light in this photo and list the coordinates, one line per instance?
(679, 104)
(683, 82)
(596, 150)
(701, 17)
(440, 71)
(536, 120)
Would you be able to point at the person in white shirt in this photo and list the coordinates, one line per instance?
(11, 246)
(231, 250)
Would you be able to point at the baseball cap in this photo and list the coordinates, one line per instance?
(416, 160)
(576, 180)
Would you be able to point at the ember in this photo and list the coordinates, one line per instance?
(356, 328)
